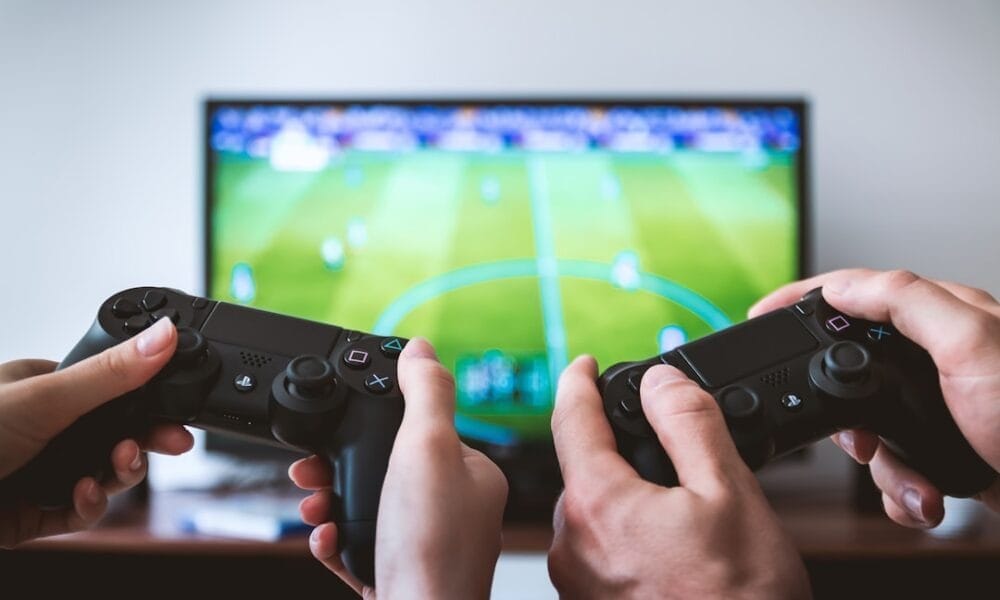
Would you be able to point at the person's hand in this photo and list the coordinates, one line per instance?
(959, 327)
(439, 518)
(36, 404)
(619, 536)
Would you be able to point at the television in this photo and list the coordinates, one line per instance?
(514, 234)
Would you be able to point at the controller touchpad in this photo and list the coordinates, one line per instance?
(279, 334)
(747, 348)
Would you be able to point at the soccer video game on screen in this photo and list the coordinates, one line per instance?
(512, 236)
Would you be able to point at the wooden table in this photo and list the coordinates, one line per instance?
(139, 549)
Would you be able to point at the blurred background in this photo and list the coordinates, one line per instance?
(101, 147)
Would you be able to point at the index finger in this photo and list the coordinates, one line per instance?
(16, 370)
(789, 294)
(689, 425)
(958, 335)
(793, 292)
(583, 438)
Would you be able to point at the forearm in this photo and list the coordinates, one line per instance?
(443, 582)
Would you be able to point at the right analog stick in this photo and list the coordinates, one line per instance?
(847, 363)
(304, 404)
(309, 376)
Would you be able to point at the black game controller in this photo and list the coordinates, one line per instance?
(794, 376)
(271, 378)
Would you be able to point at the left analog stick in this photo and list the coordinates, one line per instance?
(191, 347)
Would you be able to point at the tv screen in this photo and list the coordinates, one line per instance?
(514, 235)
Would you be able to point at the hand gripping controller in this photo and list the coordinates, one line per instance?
(275, 379)
(794, 376)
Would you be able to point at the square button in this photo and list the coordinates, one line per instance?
(838, 323)
(357, 358)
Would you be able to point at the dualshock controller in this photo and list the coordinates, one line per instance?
(308, 386)
(793, 376)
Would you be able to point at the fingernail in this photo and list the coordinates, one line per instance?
(315, 545)
(914, 504)
(846, 441)
(420, 348)
(659, 375)
(93, 493)
(136, 463)
(155, 339)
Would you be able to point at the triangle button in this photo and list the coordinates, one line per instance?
(391, 347)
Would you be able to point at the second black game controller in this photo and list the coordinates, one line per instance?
(308, 386)
(793, 376)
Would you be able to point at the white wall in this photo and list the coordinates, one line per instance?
(99, 123)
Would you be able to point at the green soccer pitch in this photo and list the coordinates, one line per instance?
(543, 256)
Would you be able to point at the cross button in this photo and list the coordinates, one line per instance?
(378, 384)
(877, 333)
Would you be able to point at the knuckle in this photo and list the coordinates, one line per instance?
(500, 483)
(574, 509)
(436, 375)
(983, 295)
(583, 510)
(436, 441)
(113, 364)
(982, 329)
(683, 397)
(495, 483)
(898, 279)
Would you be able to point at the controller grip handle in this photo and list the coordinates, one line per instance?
(941, 454)
(647, 457)
(83, 449)
(357, 548)
(359, 472)
(651, 462)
